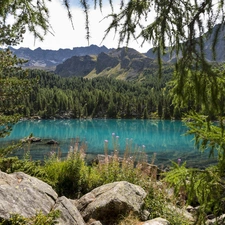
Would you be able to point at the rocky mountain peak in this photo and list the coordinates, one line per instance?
(125, 61)
(77, 66)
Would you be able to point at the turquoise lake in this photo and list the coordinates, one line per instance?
(165, 139)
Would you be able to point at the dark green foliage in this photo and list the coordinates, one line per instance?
(54, 96)
(199, 89)
(203, 188)
(26, 165)
(13, 90)
(70, 181)
(156, 202)
(73, 97)
(7, 164)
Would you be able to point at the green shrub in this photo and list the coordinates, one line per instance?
(26, 165)
(159, 204)
(202, 188)
(74, 177)
(38, 219)
(53, 167)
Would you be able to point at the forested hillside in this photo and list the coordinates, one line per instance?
(145, 96)
(53, 96)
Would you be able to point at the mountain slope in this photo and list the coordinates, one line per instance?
(219, 47)
(208, 43)
(77, 66)
(123, 63)
(119, 63)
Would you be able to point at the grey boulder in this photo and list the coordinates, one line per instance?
(69, 213)
(24, 195)
(108, 202)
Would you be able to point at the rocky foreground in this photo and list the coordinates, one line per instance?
(25, 195)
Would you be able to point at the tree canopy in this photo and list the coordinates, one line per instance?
(172, 22)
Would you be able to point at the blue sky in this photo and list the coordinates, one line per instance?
(66, 37)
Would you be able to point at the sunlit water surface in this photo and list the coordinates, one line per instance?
(160, 138)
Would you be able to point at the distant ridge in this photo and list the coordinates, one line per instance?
(40, 58)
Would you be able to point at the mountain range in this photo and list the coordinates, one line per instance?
(123, 63)
(48, 59)
(92, 61)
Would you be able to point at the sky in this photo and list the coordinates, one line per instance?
(67, 37)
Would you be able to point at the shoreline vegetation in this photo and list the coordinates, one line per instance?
(163, 160)
(73, 177)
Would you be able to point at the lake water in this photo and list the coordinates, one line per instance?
(160, 138)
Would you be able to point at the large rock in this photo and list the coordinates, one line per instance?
(219, 221)
(24, 195)
(108, 202)
(69, 213)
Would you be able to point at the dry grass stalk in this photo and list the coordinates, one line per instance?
(78, 147)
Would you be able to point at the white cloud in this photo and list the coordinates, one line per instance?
(66, 37)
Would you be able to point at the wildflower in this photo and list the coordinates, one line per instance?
(52, 153)
(106, 147)
(113, 134)
(178, 161)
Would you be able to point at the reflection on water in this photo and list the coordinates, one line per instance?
(165, 138)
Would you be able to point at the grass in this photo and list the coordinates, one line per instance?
(38, 219)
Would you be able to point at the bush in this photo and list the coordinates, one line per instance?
(74, 177)
(38, 219)
(201, 188)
